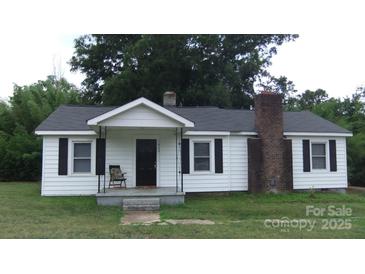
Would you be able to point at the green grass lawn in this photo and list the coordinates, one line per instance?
(25, 214)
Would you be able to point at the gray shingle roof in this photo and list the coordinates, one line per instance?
(68, 117)
(213, 118)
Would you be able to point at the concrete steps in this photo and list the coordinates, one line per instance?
(141, 204)
(115, 197)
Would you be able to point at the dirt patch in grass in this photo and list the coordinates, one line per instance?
(189, 222)
(153, 217)
(140, 217)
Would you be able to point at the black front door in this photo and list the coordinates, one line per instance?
(146, 162)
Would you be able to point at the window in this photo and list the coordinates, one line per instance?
(82, 157)
(319, 156)
(201, 156)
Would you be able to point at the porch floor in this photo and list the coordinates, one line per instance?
(115, 196)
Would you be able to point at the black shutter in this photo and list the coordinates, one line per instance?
(306, 156)
(333, 157)
(185, 155)
(100, 156)
(62, 156)
(218, 153)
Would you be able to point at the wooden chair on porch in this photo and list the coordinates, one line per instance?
(117, 177)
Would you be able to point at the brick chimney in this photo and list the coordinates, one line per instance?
(272, 162)
(169, 98)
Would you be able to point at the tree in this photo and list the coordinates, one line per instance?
(31, 104)
(202, 69)
(20, 149)
(307, 100)
(281, 85)
(7, 122)
(356, 159)
(20, 156)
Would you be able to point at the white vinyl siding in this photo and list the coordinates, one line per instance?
(55, 185)
(234, 176)
(238, 165)
(121, 147)
(120, 150)
(141, 116)
(319, 178)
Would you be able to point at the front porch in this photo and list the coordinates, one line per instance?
(115, 196)
(144, 141)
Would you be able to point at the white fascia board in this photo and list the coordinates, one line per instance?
(318, 134)
(65, 132)
(206, 133)
(217, 133)
(225, 133)
(244, 133)
(137, 102)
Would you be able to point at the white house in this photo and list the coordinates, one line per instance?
(189, 149)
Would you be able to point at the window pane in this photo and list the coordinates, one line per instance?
(82, 165)
(319, 162)
(82, 150)
(318, 149)
(201, 164)
(201, 149)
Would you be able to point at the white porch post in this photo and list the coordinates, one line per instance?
(96, 160)
(181, 173)
(105, 169)
(176, 161)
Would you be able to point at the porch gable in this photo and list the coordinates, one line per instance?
(140, 116)
(140, 113)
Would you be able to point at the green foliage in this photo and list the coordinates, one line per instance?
(202, 69)
(20, 149)
(20, 156)
(356, 159)
(7, 122)
(31, 104)
(307, 100)
(281, 85)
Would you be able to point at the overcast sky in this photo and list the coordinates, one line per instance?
(331, 62)
(27, 58)
(329, 53)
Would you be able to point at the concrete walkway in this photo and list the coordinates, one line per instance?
(140, 217)
(153, 217)
(189, 222)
